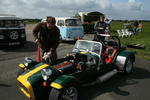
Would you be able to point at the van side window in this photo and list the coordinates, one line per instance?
(60, 23)
(73, 22)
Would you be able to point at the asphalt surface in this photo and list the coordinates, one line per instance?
(120, 87)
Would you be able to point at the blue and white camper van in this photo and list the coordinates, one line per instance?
(70, 28)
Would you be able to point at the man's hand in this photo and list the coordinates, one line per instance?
(46, 55)
(49, 53)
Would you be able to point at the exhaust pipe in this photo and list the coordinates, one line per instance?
(107, 76)
(103, 78)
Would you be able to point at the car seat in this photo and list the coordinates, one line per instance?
(109, 54)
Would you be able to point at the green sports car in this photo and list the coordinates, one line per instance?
(90, 62)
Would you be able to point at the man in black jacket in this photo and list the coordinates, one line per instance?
(47, 36)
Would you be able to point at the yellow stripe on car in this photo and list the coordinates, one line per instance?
(23, 79)
(83, 52)
(56, 85)
(27, 94)
(21, 65)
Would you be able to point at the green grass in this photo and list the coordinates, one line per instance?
(30, 22)
(140, 38)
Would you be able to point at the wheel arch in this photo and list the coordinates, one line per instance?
(128, 54)
(122, 58)
(63, 81)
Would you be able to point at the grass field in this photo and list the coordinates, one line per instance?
(140, 38)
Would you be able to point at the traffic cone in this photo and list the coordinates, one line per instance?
(79, 37)
(38, 56)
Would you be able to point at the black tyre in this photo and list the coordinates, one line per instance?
(69, 93)
(128, 66)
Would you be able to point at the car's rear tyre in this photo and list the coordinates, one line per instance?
(128, 66)
(68, 93)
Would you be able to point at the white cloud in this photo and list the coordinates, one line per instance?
(40, 8)
(105, 4)
(131, 9)
(134, 5)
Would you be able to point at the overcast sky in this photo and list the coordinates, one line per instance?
(115, 9)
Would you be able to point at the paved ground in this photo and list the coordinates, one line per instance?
(133, 87)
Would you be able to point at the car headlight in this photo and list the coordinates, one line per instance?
(27, 61)
(23, 35)
(46, 73)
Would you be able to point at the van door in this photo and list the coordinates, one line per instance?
(60, 25)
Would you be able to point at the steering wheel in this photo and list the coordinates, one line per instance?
(116, 39)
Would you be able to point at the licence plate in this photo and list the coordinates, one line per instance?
(14, 43)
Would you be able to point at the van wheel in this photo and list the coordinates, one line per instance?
(128, 66)
(69, 93)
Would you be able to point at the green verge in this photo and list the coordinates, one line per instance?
(140, 38)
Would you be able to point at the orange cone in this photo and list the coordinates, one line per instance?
(38, 56)
(79, 37)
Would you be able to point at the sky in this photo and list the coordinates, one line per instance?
(115, 9)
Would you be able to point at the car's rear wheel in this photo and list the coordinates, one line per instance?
(128, 66)
(69, 93)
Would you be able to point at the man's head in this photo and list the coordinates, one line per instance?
(102, 18)
(50, 22)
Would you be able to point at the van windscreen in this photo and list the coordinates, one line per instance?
(73, 22)
(11, 23)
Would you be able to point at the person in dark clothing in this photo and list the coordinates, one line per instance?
(47, 36)
(136, 23)
(100, 28)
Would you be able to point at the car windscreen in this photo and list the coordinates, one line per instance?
(72, 22)
(11, 23)
(87, 46)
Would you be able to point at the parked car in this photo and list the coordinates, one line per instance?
(12, 30)
(70, 28)
(90, 62)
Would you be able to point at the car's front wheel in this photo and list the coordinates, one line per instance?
(128, 66)
(68, 93)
